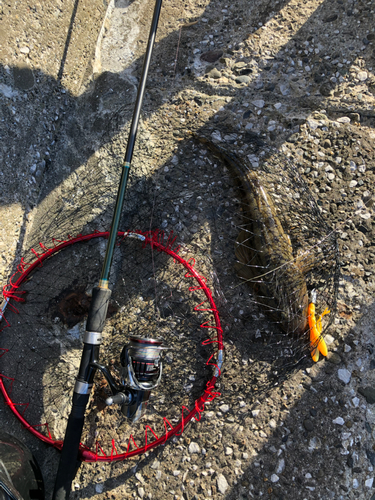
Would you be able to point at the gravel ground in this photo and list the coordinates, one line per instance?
(298, 76)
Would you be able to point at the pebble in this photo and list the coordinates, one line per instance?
(344, 375)
(141, 492)
(24, 50)
(308, 424)
(272, 423)
(343, 119)
(274, 478)
(224, 408)
(258, 103)
(194, 447)
(280, 466)
(222, 484)
(228, 451)
(369, 482)
(338, 421)
(243, 79)
(211, 56)
(362, 76)
(313, 124)
(255, 413)
(99, 488)
(214, 74)
(333, 358)
(369, 393)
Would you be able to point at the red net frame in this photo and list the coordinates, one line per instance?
(162, 243)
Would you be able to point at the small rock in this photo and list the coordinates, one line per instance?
(141, 492)
(308, 425)
(99, 488)
(243, 79)
(272, 423)
(228, 451)
(344, 375)
(211, 56)
(369, 482)
(313, 124)
(330, 18)
(194, 447)
(224, 408)
(334, 358)
(369, 393)
(362, 76)
(280, 466)
(214, 74)
(350, 462)
(274, 478)
(24, 50)
(259, 103)
(343, 119)
(255, 413)
(338, 421)
(222, 484)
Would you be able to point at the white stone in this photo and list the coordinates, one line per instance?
(365, 215)
(255, 413)
(272, 423)
(259, 103)
(224, 408)
(368, 482)
(338, 421)
(274, 478)
(7, 91)
(222, 484)
(329, 339)
(194, 447)
(355, 483)
(352, 184)
(362, 76)
(280, 466)
(355, 402)
(176, 473)
(99, 488)
(344, 375)
(343, 119)
(228, 451)
(141, 492)
(277, 105)
(24, 50)
(313, 124)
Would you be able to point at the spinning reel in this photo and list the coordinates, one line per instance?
(141, 371)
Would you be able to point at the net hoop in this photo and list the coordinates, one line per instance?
(155, 239)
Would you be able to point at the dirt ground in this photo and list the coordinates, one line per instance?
(298, 76)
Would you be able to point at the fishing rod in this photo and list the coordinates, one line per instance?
(140, 352)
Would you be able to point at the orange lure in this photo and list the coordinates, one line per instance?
(317, 343)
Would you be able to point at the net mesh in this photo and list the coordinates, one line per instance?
(260, 266)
